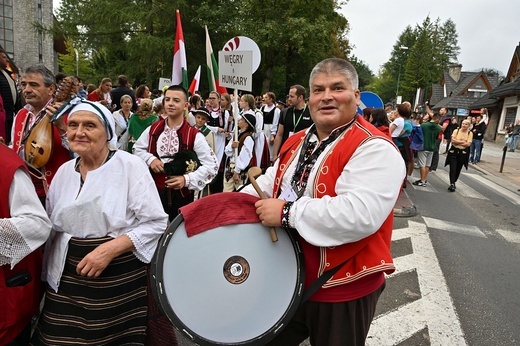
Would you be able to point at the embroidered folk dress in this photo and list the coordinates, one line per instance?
(136, 126)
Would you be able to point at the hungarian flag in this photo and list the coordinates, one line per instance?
(194, 86)
(212, 67)
(180, 67)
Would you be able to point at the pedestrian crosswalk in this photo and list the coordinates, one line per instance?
(433, 312)
(463, 188)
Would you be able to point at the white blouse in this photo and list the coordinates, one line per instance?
(117, 198)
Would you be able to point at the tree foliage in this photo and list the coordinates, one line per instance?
(418, 59)
(136, 37)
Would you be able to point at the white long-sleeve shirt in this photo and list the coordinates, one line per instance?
(195, 180)
(118, 198)
(367, 190)
(245, 155)
(271, 129)
(28, 227)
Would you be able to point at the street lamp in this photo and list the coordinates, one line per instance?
(77, 61)
(399, 76)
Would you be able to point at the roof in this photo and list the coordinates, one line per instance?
(486, 101)
(457, 95)
(507, 89)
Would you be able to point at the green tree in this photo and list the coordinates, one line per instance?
(72, 65)
(136, 37)
(418, 59)
(364, 73)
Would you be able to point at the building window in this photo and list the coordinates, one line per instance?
(510, 116)
(6, 26)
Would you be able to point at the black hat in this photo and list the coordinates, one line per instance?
(281, 102)
(389, 104)
(250, 119)
(201, 110)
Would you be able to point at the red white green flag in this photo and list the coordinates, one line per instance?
(180, 66)
(212, 67)
(194, 86)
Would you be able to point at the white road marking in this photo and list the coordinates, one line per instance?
(509, 195)
(427, 188)
(434, 310)
(462, 188)
(512, 237)
(454, 227)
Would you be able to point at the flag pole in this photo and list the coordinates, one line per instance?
(235, 117)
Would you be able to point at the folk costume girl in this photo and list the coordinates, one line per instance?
(237, 166)
(139, 121)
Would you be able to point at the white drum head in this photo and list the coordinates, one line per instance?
(228, 285)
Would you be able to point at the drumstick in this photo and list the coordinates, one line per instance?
(253, 173)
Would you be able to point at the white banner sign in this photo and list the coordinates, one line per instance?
(236, 69)
(164, 82)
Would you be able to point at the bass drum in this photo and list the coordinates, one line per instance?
(230, 285)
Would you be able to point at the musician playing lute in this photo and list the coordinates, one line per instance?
(38, 89)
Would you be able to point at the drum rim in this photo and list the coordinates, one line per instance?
(156, 277)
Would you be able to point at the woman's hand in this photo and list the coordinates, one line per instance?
(235, 177)
(234, 144)
(93, 264)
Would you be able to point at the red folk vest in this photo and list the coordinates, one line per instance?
(59, 155)
(17, 304)
(366, 256)
(186, 135)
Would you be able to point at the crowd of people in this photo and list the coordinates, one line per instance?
(420, 136)
(123, 163)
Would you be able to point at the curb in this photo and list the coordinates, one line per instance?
(496, 179)
(405, 211)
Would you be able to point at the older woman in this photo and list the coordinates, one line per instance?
(107, 220)
(458, 154)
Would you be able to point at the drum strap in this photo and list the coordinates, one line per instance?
(320, 281)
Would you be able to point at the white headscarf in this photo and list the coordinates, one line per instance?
(78, 104)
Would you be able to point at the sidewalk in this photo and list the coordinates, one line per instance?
(490, 162)
(489, 166)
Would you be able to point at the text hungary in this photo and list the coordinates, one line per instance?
(235, 80)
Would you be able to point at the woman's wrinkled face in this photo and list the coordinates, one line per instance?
(86, 133)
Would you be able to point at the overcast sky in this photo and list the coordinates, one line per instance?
(489, 31)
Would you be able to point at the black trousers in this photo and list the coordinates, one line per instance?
(331, 324)
(435, 158)
(172, 200)
(456, 162)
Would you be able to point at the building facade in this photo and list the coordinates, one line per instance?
(19, 36)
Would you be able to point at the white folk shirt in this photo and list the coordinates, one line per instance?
(365, 195)
(117, 198)
(220, 137)
(28, 227)
(272, 128)
(244, 158)
(168, 144)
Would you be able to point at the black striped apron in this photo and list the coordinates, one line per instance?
(108, 310)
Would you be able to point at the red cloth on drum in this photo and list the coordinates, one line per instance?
(217, 210)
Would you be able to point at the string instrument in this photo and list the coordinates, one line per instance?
(39, 141)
